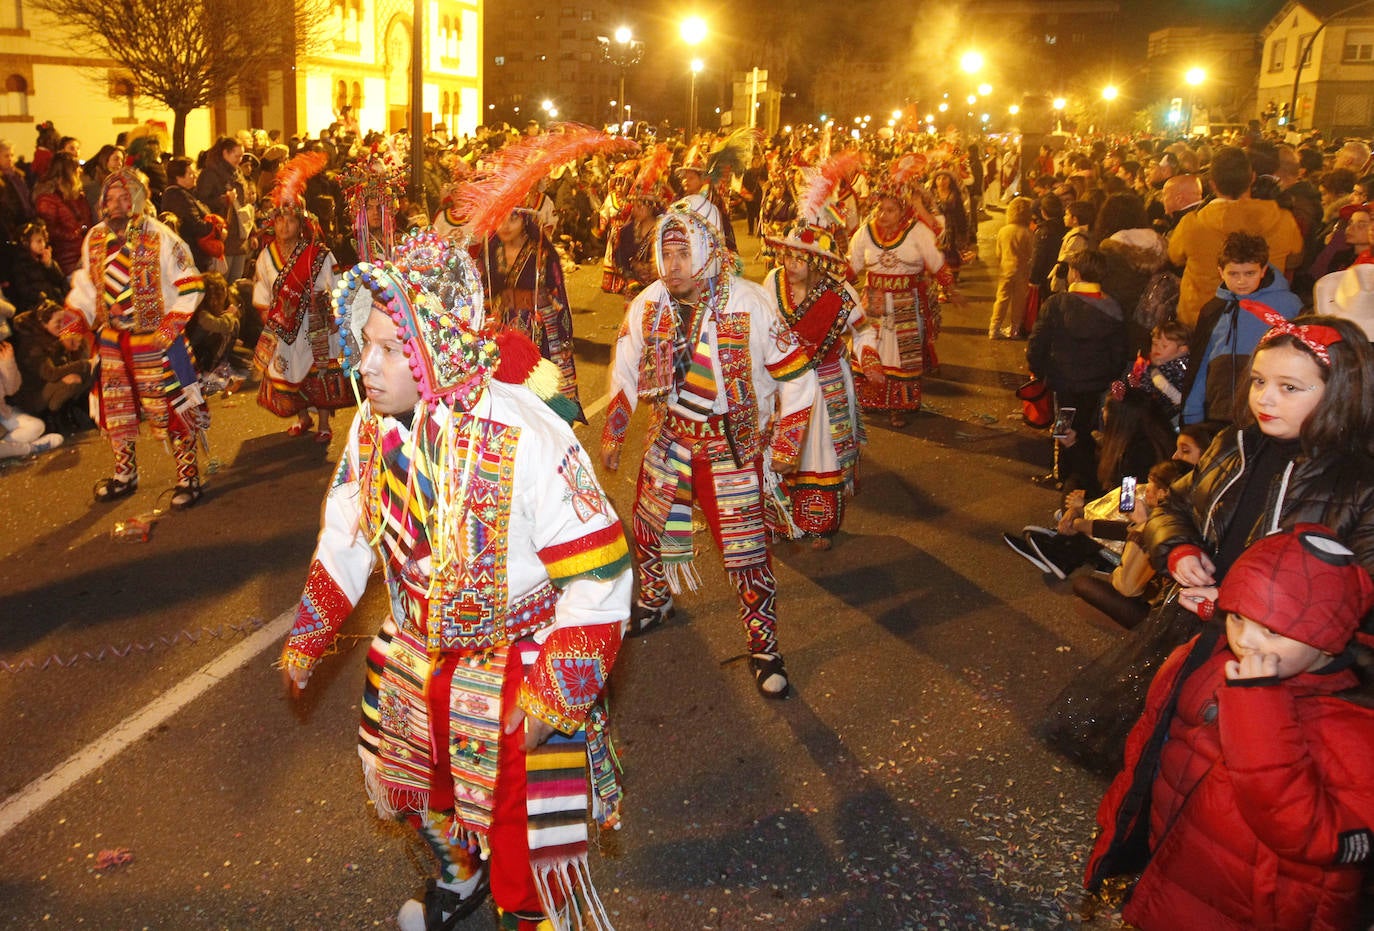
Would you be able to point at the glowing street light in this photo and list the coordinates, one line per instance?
(1013, 109)
(1110, 93)
(693, 30)
(1195, 76)
(896, 114)
(546, 105)
(943, 106)
(984, 89)
(1059, 103)
(972, 100)
(971, 62)
(623, 35)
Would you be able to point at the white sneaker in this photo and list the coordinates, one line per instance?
(46, 442)
(445, 903)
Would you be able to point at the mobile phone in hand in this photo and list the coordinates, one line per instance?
(1063, 422)
(1127, 504)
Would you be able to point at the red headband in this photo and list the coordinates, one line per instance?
(1315, 337)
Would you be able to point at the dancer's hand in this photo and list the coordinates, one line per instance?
(536, 732)
(294, 679)
(610, 457)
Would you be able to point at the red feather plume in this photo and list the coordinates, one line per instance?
(291, 177)
(512, 172)
(823, 182)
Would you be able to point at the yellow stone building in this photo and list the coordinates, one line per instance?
(363, 63)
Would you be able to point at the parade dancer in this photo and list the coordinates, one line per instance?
(509, 583)
(706, 350)
(821, 310)
(896, 251)
(138, 287)
(299, 350)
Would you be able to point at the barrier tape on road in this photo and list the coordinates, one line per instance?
(110, 651)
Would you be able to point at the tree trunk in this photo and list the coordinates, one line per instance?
(179, 131)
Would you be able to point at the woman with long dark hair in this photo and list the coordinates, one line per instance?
(60, 202)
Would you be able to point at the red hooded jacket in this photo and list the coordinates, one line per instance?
(1258, 800)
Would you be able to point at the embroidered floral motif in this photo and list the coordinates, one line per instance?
(586, 497)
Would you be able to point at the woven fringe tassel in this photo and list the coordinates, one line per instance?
(388, 802)
(776, 500)
(680, 575)
(582, 909)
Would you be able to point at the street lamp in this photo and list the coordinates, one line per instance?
(624, 52)
(984, 89)
(1194, 77)
(971, 62)
(1109, 94)
(697, 65)
(693, 31)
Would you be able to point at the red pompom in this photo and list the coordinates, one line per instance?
(519, 356)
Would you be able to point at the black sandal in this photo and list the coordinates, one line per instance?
(644, 619)
(444, 908)
(112, 489)
(765, 666)
(187, 493)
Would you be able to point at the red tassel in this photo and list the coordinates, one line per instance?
(518, 358)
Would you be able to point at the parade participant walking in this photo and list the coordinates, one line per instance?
(138, 287)
(509, 580)
(299, 350)
(705, 348)
(635, 240)
(821, 310)
(526, 291)
(705, 178)
(895, 251)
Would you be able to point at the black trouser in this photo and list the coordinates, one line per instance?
(1098, 592)
(1078, 463)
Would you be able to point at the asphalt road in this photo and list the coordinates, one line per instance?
(898, 788)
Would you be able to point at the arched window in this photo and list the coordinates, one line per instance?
(357, 99)
(340, 96)
(16, 99)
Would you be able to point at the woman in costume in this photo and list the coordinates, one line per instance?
(634, 246)
(612, 217)
(299, 350)
(821, 310)
(526, 292)
(895, 252)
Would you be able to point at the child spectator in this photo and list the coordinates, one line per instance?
(1079, 346)
(34, 276)
(214, 329)
(20, 434)
(56, 368)
(1162, 374)
(1132, 587)
(1078, 217)
(1246, 791)
(1015, 249)
(1226, 334)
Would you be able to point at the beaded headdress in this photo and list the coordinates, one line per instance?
(683, 224)
(432, 292)
(131, 179)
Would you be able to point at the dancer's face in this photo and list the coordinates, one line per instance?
(385, 368)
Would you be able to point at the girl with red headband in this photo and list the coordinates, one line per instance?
(1300, 453)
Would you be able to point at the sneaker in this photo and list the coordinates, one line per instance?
(770, 675)
(1021, 548)
(445, 904)
(46, 442)
(1060, 554)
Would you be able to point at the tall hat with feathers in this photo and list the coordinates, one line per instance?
(650, 183)
(902, 181)
(288, 191)
(734, 153)
(376, 176)
(815, 234)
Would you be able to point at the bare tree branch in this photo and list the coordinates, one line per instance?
(187, 54)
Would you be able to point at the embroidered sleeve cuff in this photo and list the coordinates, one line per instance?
(788, 435)
(322, 611)
(945, 277)
(601, 554)
(617, 422)
(789, 366)
(569, 674)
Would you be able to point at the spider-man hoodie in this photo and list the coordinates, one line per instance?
(1256, 797)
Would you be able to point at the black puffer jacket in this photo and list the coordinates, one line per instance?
(1335, 491)
(1078, 343)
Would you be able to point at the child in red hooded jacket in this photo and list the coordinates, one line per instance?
(1246, 796)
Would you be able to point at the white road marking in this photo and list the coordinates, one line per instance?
(597, 407)
(50, 785)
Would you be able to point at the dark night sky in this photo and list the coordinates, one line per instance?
(924, 33)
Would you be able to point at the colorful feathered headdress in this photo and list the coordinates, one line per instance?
(288, 193)
(508, 175)
(649, 183)
(734, 153)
